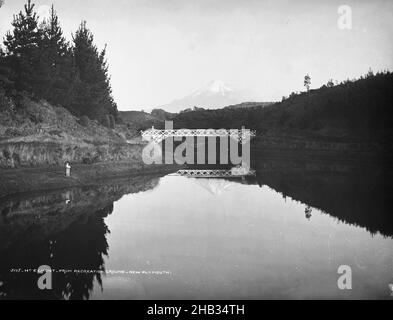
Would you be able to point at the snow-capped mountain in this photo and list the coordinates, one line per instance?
(214, 87)
(215, 94)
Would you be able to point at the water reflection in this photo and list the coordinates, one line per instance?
(81, 245)
(65, 230)
(71, 230)
(357, 194)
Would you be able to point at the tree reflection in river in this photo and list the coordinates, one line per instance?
(64, 230)
(80, 246)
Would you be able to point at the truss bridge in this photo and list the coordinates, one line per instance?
(156, 135)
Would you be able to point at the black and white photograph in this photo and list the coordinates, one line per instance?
(196, 150)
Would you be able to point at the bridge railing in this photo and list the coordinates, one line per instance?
(158, 135)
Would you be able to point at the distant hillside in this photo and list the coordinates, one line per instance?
(249, 105)
(359, 110)
(136, 117)
(132, 122)
(140, 120)
(162, 114)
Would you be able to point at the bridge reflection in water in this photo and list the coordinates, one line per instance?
(216, 173)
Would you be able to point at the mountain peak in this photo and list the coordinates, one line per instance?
(215, 94)
(215, 87)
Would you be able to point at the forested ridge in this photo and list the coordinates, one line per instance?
(356, 110)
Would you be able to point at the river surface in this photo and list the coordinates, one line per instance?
(283, 234)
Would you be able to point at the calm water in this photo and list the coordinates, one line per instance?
(282, 234)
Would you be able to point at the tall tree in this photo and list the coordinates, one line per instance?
(109, 103)
(58, 74)
(22, 47)
(307, 82)
(93, 93)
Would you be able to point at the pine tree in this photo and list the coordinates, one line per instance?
(58, 74)
(110, 104)
(38, 60)
(93, 93)
(307, 82)
(330, 83)
(23, 48)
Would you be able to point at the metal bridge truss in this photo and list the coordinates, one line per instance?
(243, 136)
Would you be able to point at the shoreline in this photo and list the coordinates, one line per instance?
(48, 178)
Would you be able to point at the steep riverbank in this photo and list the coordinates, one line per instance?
(35, 133)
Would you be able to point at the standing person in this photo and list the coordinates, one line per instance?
(68, 169)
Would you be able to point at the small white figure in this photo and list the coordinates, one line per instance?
(68, 169)
(67, 196)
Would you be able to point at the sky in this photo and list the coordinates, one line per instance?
(161, 50)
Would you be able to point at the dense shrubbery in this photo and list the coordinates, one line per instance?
(40, 63)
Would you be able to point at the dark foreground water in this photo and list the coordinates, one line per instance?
(283, 234)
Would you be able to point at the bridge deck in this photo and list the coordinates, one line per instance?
(242, 135)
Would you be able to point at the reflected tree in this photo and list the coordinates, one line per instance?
(76, 256)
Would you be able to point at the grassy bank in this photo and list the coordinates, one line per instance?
(50, 178)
